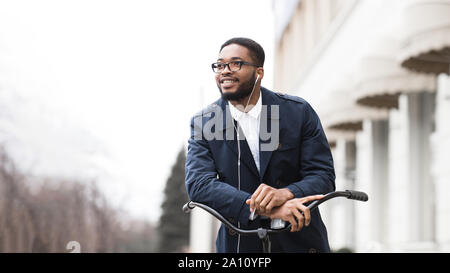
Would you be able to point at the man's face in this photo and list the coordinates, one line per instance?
(239, 84)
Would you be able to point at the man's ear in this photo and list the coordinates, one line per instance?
(260, 72)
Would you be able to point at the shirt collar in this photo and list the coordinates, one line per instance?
(254, 112)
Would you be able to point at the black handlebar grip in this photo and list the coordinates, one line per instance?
(357, 195)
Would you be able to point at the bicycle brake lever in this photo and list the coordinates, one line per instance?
(252, 216)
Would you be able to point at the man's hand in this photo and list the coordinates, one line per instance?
(265, 198)
(290, 212)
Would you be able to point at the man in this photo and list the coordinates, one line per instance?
(254, 150)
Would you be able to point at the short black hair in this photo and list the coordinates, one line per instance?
(256, 50)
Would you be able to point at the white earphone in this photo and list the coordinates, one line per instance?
(239, 162)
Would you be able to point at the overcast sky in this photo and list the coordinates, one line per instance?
(105, 89)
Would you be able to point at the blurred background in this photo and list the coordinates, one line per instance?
(96, 98)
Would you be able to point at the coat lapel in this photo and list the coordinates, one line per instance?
(269, 126)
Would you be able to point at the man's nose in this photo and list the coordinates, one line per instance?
(227, 67)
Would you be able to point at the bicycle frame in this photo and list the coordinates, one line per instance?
(263, 233)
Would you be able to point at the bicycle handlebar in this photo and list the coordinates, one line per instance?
(350, 194)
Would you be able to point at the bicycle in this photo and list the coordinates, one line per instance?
(277, 225)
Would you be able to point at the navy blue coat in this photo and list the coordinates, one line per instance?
(301, 162)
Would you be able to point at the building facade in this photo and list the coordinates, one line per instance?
(377, 73)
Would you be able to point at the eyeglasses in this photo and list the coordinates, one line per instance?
(232, 66)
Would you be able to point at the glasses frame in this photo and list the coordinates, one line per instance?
(228, 65)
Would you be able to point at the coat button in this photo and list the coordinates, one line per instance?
(230, 231)
(278, 182)
(312, 250)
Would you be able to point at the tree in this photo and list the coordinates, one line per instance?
(173, 229)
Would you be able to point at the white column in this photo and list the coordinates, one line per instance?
(398, 169)
(380, 145)
(350, 173)
(411, 192)
(335, 214)
(421, 213)
(440, 143)
(202, 232)
(364, 242)
(372, 169)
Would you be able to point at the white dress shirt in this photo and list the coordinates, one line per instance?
(249, 123)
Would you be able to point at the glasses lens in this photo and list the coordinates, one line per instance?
(217, 67)
(235, 66)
